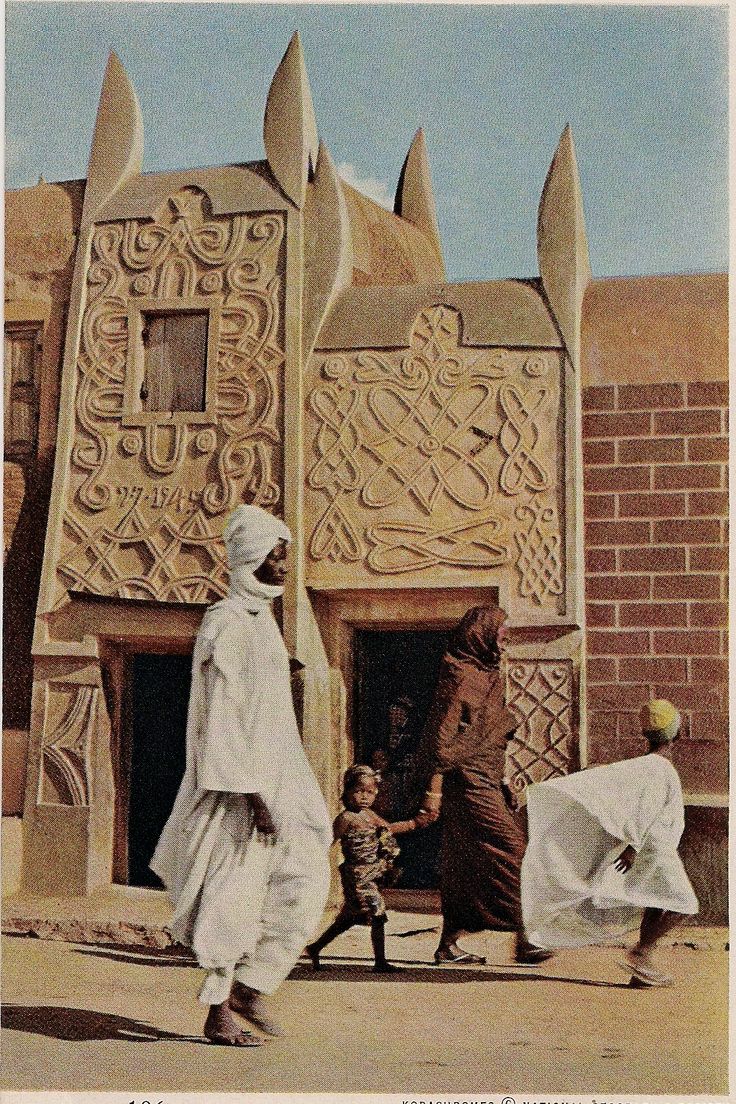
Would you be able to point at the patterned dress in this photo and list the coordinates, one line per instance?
(369, 852)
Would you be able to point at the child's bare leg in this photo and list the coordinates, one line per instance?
(378, 939)
(655, 924)
(340, 924)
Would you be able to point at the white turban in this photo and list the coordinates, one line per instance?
(250, 534)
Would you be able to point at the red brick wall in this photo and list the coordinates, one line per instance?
(656, 550)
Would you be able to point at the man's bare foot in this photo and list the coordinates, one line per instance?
(220, 1028)
(249, 1004)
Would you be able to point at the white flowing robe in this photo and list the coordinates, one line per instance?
(245, 903)
(571, 894)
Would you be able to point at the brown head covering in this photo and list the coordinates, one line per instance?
(474, 639)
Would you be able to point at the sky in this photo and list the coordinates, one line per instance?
(493, 85)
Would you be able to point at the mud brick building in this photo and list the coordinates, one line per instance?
(180, 342)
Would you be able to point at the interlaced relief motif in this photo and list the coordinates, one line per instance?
(538, 543)
(146, 503)
(64, 779)
(422, 454)
(540, 692)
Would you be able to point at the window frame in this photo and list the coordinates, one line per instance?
(133, 414)
(19, 451)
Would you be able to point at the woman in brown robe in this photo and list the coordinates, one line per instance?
(462, 756)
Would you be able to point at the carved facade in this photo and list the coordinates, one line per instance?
(147, 492)
(419, 437)
(436, 456)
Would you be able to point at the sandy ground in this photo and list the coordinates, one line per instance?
(82, 1017)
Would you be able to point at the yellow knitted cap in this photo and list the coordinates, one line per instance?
(657, 715)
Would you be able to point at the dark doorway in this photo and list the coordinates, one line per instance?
(396, 675)
(159, 695)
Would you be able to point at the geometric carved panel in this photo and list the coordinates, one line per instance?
(71, 716)
(437, 456)
(148, 493)
(540, 693)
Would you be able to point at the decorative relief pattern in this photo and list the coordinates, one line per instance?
(70, 723)
(147, 502)
(421, 457)
(150, 558)
(540, 692)
(538, 562)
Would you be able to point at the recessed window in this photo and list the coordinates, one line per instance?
(174, 361)
(21, 353)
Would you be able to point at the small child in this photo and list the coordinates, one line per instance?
(369, 850)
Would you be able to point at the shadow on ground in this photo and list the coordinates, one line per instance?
(139, 956)
(82, 1025)
(336, 970)
(347, 969)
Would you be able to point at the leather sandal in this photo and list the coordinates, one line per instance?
(531, 956)
(447, 958)
(646, 977)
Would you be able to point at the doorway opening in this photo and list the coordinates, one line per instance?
(395, 678)
(157, 700)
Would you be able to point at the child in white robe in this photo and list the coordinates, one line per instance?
(577, 884)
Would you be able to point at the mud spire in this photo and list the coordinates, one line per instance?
(116, 154)
(562, 245)
(414, 193)
(289, 127)
(328, 253)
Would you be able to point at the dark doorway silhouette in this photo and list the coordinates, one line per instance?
(159, 695)
(396, 675)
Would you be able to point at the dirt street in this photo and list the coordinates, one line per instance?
(84, 1017)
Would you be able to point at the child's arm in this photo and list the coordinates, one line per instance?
(422, 820)
(339, 826)
(397, 828)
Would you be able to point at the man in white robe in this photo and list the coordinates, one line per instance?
(577, 884)
(244, 852)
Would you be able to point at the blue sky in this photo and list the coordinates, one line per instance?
(645, 89)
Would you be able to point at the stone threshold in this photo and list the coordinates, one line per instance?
(117, 914)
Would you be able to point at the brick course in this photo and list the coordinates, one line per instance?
(657, 561)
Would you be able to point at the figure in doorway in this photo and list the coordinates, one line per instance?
(577, 884)
(369, 850)
(395, 761)
(244, 852)
(462, 759)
